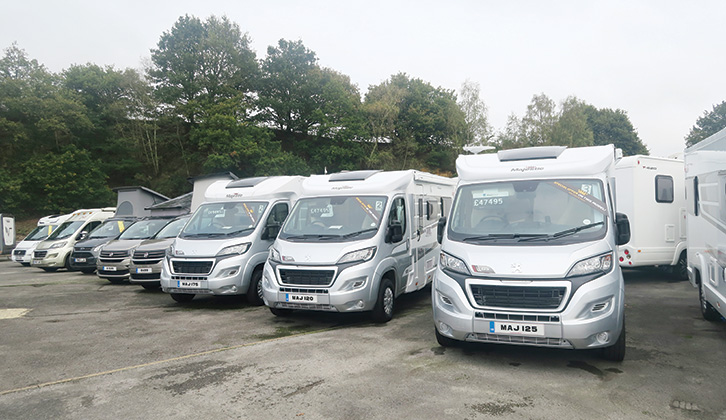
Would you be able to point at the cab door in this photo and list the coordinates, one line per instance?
(400, 246)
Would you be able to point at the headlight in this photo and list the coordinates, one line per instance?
(234, 249)
(58, 245)
(274, 255)
(599, 264)
(360, 255)
(453, 263)
(97, 249)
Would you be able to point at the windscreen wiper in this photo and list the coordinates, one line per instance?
(566, 232)
(313, 236)
(237, 232)
(495, 236)
(360, 232)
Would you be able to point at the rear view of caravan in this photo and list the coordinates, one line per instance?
(650, 191)
(706, 204)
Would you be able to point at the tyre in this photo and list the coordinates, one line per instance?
(281, 312)
(67, 264)
(254, 293)
(50, 269)
(182, 297)
(87, 270)
(383, 311)
(445, 341)
(616, 352)
(708, 311)
(681, 268)
(151, 286)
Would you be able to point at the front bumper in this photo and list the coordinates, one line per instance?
(22, 256)
(113, 269)
(145, 273)
(54, 258)
(82, 260)
(224, 278)
(352, 289)
(594, 308)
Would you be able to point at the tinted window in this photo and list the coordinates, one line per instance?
(664, 189)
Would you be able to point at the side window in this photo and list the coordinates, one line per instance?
(398, 213)
(663, 189)
(278, 214)
(91, 226)
(695, 196)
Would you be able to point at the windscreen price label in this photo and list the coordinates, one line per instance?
(483, 202)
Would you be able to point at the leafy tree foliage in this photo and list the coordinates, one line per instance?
(477, 131)
(614, 127)
(707, 125)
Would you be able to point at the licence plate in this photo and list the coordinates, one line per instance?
(37, 261)
(189, 284)
(289, 297)
(516, 328)
(108, 268)
(79, 260)
(142, 270)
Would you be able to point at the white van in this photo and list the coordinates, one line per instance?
(706, 193)
(54, 252)
(224, 245)
(528, 254)
(23, 252)
(355, 241)
(651, 192)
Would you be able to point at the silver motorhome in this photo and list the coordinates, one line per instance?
(528, 254)
(706, 222)
(145, 267)
(223, 247)
(355, 241)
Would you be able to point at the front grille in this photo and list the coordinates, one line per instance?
(188, 278)
(296, 290)
(114, 254)
(19, 252)
(78, 254)
(192, 267)
(517, 317)
(112, 273)
(307, 277)
(40, 254)
(518, 297)
(516, 339)
(110, 260)
(148, 257)
(82, 248)
(145, 276)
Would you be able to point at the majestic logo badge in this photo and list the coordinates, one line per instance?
(516, 268)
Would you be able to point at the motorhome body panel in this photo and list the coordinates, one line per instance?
(651, 192)
(706, 205)
(527, 254)
(23, 251)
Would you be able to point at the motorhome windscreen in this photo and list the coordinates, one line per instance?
(109, 229)
(217, 220)
(337, 218)
(144, 229)
(65, 230)
(39, 233)
(172, 229)
(531, 211)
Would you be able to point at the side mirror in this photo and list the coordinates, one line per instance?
(81, 236)
(394, 233)
(440, 226)
(622, 228)
(271, 231)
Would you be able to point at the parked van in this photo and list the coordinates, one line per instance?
(115, 256)
(651, 192)
(223, 247)
(357, 240)
(528, 254)
(23, 252)
(145, 267)
(86, 251)
(54, 252)
(706, 193)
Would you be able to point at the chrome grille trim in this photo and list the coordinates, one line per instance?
(312, 306)
(516, 339)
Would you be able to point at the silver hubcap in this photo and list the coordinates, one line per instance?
(388, 301)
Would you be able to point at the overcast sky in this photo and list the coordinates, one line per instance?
(662, 62)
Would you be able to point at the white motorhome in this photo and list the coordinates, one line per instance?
(651, 192)
(706, 196)
(54, 252)
(357, 240)
(528, 253)
(23, 252)
(224, 245)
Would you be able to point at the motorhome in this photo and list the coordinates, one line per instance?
(651, 192)
(706, 218)
(355, 241)
(145, 267)
(528, 253)
(23, 252)
(86, 251)
(223, 247)
(115, 257)
(54, 252)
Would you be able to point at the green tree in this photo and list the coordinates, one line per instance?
(478, 131)
(614, 127)
(707, 125)
(572, 128)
